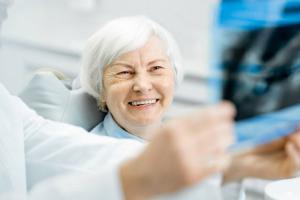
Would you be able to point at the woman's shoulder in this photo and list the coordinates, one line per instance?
(98, 129)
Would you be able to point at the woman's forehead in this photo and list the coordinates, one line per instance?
(153, 49)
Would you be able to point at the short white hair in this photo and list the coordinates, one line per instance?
(117, 37)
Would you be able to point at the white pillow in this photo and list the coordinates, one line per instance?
(52, 99)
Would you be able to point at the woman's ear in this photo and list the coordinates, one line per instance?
(102, 103)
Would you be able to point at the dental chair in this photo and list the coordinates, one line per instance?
(51, 95)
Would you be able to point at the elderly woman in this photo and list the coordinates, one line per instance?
(131, 66)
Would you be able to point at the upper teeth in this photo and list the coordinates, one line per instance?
(144, 102)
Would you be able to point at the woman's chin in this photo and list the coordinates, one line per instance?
(145, 121)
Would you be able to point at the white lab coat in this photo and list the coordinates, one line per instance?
(33, 149)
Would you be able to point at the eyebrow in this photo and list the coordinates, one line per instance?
(128, 65)
(157, 60)
(125, 64)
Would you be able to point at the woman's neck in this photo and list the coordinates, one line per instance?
(145, 132)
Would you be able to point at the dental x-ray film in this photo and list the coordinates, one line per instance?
(257, 48)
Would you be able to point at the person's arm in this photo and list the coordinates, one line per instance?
(177, 158)
(278, 159)
(185, 151)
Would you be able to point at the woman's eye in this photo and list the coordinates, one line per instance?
(155, 68)
(124, 73)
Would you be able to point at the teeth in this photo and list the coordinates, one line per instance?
(144, 102)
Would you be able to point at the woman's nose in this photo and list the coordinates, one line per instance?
(142, 83)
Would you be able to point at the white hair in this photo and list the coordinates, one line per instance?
(117, 37)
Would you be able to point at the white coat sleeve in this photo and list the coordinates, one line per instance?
(63, 161)
(102, 185)
(53, 149)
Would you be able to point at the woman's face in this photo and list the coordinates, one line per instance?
(138, 86)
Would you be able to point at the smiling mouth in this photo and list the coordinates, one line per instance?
(143, 102)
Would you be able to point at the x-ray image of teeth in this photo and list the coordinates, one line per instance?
(260, 58)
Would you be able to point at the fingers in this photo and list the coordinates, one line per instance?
(221, 111)
(293, 148)
(213, 136)
(276, 145)
(217, 138)
(294, 154)
(208, 117)
(295, 138)
(195, 145)
(212, 148)
(214, 165)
